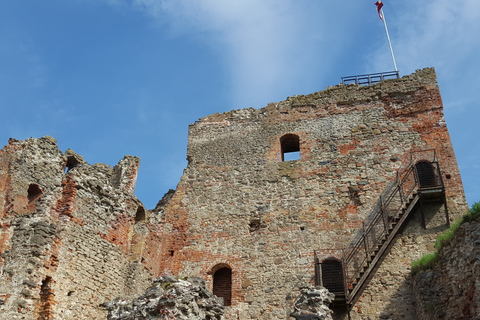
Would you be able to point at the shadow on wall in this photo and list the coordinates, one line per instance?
(400, 295)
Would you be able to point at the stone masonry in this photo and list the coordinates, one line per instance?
(74, 236)
(66, 233)
(239, 206)
(451, 290)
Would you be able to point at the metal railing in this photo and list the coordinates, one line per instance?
(359, 260)
(391, 210)
(366, 79)
(356, 257)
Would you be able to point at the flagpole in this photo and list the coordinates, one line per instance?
(389, 42)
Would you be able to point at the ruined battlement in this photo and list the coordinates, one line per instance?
(336, 99)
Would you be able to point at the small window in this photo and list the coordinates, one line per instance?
(72, 162)
(290, 145)
(34, 192)
(140, 215)
(222, 285)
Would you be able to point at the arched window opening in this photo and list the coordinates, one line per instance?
(222, 285)
(72, 162)
(426, 174)
(140, 215)
(290, 147)
(332, 276)
(34, 192)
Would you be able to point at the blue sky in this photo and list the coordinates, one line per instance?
(108, 78)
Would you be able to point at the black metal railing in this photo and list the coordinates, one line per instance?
(366, 79)
(376, 234)
(372, 234)
(360, 258)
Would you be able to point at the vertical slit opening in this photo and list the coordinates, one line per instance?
(46, 299)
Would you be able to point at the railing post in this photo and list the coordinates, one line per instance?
(365, 241)
(345, 276)
(382, 212)
(383, 209)
(400, 194)
(415, 174)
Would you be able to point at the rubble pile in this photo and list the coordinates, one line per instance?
(170, 298)
(312, 304)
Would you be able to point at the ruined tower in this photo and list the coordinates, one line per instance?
(258, 225)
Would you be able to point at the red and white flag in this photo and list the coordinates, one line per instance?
(379, 5)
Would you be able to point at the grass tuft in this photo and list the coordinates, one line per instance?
(424, 263)
(444, 238)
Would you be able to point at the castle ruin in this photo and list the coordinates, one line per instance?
(341, 188)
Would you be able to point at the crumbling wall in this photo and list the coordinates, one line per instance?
(313, 304)
(239, 206)
(451, 290)
(169, 298)
(66, 232)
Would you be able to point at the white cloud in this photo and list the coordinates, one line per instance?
(267, 46)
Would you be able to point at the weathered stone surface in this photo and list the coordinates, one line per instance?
(66, 233)
(312, 304)
(168, 299)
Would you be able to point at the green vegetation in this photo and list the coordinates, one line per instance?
(474, 211)
(424, 263)
(443, 239)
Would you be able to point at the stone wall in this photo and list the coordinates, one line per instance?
(66, 232)
(451, 290)
(238, 205)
